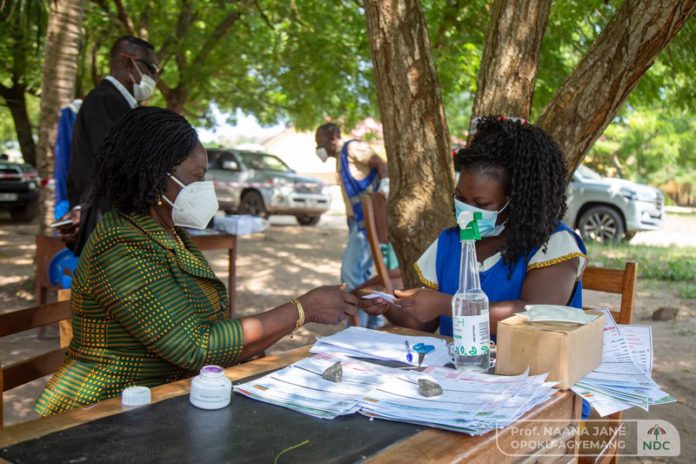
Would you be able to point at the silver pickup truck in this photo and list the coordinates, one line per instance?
(260, 184)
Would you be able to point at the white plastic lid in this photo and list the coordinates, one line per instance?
(135, 396)
(212, 371)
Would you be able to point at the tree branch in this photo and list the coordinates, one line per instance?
(124, 18)
(216, 36)
(591, 96)
(263, 15)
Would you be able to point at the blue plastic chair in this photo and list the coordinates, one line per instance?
(62, 261)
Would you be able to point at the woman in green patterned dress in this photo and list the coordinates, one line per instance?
(147, 307)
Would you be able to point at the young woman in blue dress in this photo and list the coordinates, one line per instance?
(514, 173)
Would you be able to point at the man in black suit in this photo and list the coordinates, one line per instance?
(133, 74)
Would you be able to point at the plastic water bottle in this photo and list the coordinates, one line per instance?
(470, 322)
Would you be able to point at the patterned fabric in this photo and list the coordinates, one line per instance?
(147, 310)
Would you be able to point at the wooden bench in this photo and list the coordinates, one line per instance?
(34, 368)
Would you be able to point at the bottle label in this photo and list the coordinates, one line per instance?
(471, 335)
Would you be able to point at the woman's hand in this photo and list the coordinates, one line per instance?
(423, 304)
(328, 304)
(372, 306)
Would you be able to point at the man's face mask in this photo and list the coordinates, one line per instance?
(322, 154)
(195, 205)
(486, 225)
(145, 88)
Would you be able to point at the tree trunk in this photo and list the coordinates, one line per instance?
(592, 95)
(57, 87)
(415, 131)
(16, 102)
(510, 57)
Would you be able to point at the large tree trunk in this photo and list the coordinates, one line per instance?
(16, 102)
(415, 130)
(592, 95)
(510, 57)
(57, 86)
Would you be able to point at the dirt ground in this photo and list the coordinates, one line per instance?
(288, 260)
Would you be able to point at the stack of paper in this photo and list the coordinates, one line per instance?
(471, 403)
(623, 379)
(373, 344)
(301, 387)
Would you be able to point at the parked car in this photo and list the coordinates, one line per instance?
(19, 190)
(260, 184)
(608, 209)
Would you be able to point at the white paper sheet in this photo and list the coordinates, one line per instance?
(374, 344)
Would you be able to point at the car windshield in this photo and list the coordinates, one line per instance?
(586, 173)
(263, 162)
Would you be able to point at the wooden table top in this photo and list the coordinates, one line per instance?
(431, 445)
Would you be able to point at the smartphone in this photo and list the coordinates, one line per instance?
(62, 223)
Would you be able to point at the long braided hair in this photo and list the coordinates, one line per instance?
(130, 170)
(536, 185)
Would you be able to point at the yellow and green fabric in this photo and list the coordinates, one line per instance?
(147, 310)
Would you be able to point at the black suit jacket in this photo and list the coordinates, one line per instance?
(102, 107)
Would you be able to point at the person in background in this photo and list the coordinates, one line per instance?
(68, 114)
(514, 174)
(360, 170)
(147, 307)
(132, 78)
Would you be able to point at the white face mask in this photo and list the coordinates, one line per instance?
(145, 88)
(322, 154)
(195, 205)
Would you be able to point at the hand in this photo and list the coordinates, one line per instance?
(329, 304)
(423, 304)
(374, 306)
(69, 233)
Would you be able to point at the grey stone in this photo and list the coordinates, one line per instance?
(665, 313)
(334, 373)
(429, 388)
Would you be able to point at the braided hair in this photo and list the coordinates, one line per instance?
(534, 169)
(130, 170)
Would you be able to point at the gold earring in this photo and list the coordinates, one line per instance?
(159, 202)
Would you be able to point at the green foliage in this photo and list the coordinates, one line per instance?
(649, 146)
(22, 28)
(305, 61)
(672, 263)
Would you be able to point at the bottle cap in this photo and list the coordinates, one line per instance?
(212, 371)
(135, 396)
(470, 231)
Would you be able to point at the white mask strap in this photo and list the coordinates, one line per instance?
(176, 180)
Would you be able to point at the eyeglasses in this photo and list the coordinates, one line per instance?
(152, 67)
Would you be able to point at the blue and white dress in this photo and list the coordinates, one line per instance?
(438, 267)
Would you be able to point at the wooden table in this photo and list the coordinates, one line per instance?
(430, 445)
(49, 245)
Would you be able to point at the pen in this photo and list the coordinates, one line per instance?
(409, 356)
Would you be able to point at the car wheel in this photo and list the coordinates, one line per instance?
(252, 203)
(308, 220)
(601, 224)
(24, 213)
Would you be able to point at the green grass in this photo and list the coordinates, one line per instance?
(677, 264)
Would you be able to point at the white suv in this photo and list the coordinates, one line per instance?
(605, 209)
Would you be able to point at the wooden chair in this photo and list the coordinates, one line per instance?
(28, 370)
(617, 281)
(375, 217)
(621, 282)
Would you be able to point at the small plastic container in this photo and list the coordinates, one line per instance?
(135, 396)
(211, 389)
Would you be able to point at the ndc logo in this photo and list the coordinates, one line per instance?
(658, 439)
